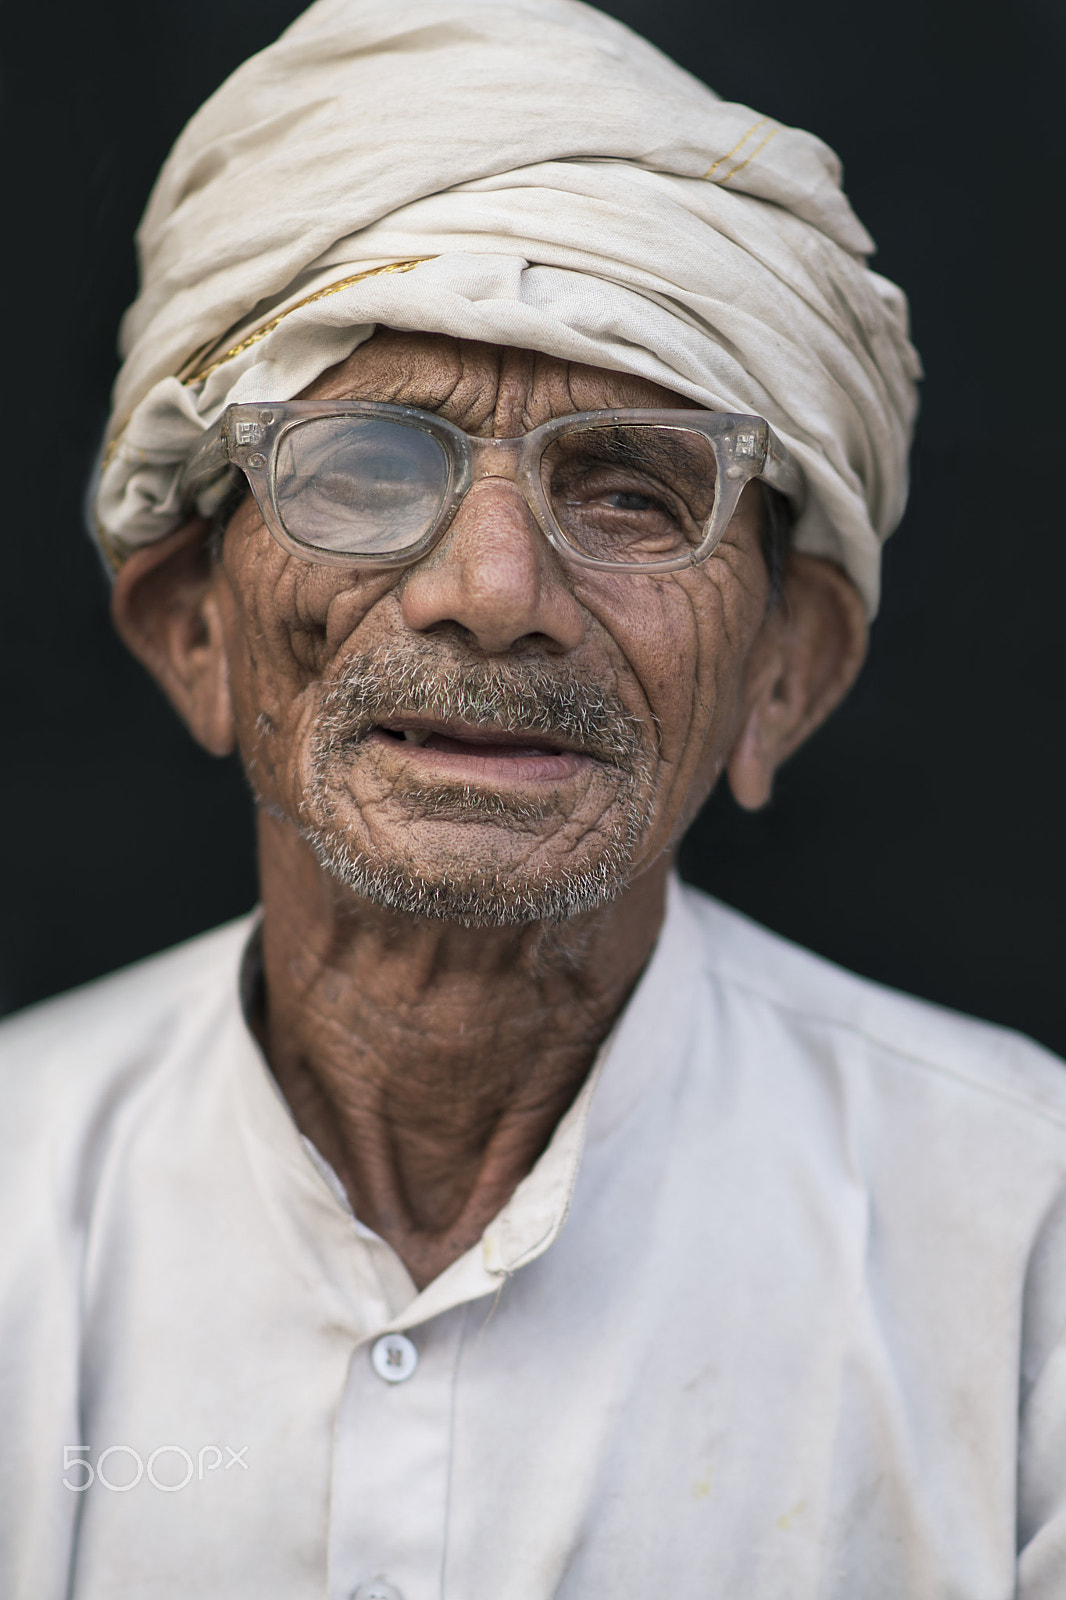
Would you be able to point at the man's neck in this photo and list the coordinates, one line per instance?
(430, 1063)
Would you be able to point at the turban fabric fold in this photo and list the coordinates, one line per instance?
(528, 173)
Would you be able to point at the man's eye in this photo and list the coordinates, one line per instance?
(610, 489)
(630, 500)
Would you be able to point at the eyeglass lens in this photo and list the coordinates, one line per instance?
(636, 492)
(359, 485)
(374, 486)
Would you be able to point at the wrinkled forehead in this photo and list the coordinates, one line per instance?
(483, 388)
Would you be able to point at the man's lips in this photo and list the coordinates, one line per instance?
(479, 754)
(462, 737)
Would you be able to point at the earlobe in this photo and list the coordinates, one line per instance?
(750, 769)
(165, 607)
(808, 656)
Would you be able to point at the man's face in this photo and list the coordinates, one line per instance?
(492, 734)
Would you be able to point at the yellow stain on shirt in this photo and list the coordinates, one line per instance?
(785, 1521)
(702, 1486)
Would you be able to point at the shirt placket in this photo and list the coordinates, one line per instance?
(392, 1464)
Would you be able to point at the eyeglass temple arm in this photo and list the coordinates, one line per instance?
(780, 471)
(211, 458)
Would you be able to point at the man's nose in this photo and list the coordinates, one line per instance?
(494, 575)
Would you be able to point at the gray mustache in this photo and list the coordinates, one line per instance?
(381, 686)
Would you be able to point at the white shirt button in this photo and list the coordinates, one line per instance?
(377, 1589)
(394, 1358)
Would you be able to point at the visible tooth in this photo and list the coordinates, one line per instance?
(413, 736)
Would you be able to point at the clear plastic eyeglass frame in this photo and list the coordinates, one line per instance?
(249, 437)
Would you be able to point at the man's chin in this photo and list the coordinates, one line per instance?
(473, 894)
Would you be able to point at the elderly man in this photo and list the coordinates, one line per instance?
(500, 459)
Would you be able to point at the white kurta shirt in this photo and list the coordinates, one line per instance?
(778, 1315)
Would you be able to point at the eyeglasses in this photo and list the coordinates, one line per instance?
(361, 483)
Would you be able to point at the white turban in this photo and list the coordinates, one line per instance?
(524, 172)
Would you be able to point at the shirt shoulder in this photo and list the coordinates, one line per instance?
(870, 1020)
(69, 1051)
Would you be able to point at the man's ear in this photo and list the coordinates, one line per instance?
(803, 664)
(165, 607)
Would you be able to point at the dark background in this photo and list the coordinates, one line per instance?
(918, 839)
